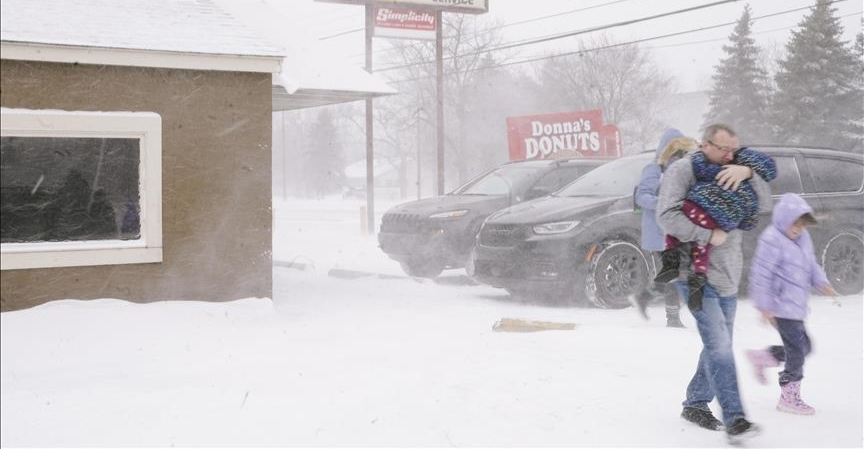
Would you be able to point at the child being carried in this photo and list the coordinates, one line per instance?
(710, 206)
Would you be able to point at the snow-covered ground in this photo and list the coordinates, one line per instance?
(389, 361)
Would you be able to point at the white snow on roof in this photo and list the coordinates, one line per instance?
(311, 74)
(186, 26)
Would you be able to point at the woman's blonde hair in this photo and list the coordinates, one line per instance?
(676, 149)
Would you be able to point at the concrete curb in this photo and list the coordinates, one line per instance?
(345, 273)
(354, 274)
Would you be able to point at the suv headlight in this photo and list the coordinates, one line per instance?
(450, 214)
(559, 227)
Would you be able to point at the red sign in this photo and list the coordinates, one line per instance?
(404, 23)
(574, 134)
(459, 6)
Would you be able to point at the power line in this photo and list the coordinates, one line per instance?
(557, 14)
(693, 30)
(705, 41)
(490, 29)
(340, 34)
(567, 34)
(635, 41)
(530, 41)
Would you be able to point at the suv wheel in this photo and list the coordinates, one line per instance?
(422, 268)
(842, 262)
(617, 271)
(469, 264)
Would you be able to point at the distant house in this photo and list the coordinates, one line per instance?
(136, 150)
(387, 184)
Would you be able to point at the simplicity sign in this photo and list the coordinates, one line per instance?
(404, 23)
(463, 6)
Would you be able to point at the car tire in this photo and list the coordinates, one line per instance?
(618, 270)
(842, 261)
(422, 268)
(517, 294)
(469, 264)
(474, 232)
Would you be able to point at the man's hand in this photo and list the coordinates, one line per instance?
(731, 175)
(718, 237)
(828, 290)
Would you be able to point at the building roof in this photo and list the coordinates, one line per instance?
(55, 29)
(320, 82)
(183, 34)
(312, 75)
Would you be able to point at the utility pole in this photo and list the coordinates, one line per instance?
(439, 98)
(370, 167)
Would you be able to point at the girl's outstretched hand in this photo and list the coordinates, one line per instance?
(827, 289)
(767, 318)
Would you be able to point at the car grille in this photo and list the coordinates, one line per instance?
(404, 223)
(502, 234)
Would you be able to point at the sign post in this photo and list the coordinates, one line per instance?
(439, 101)
(370, 134)
(417, 9)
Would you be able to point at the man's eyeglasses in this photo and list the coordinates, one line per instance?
(723, 149)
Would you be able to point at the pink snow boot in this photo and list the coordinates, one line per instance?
(790, 400)
(761, 359)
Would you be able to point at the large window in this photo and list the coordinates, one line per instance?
(80, 188)
(788, 178)
(835, 175)
(615, 178)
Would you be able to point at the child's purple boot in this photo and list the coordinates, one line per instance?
(761, 359)
(791, 402)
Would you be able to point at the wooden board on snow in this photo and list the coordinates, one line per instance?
(520, 325)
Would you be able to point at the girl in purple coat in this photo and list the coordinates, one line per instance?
(783, 271)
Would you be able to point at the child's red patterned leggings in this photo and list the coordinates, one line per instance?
(699, 253)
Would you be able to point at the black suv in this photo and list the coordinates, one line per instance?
(583, 241)
(426, 236)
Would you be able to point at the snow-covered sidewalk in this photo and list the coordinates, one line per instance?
(390, 362)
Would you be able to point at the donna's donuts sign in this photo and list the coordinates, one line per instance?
(576, 134)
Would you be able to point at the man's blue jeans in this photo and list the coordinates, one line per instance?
(715, 374)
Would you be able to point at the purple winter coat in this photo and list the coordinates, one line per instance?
(783, 270)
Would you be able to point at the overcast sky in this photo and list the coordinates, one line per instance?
(692, 55)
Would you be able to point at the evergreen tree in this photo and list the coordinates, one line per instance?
(819, 89)
(856, 125)
(740, 92)
(859, 44)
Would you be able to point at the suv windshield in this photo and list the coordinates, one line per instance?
(502, 181)
(616, 178)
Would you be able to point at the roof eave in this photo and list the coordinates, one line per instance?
(312, 97)
(27, 51)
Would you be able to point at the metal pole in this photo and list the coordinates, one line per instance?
(419, 164)
(284, 152)
(370, 170)
(417, 124)
(439, 100)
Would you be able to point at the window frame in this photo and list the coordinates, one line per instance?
(798, 175)
(811, 162)
(144, 126)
